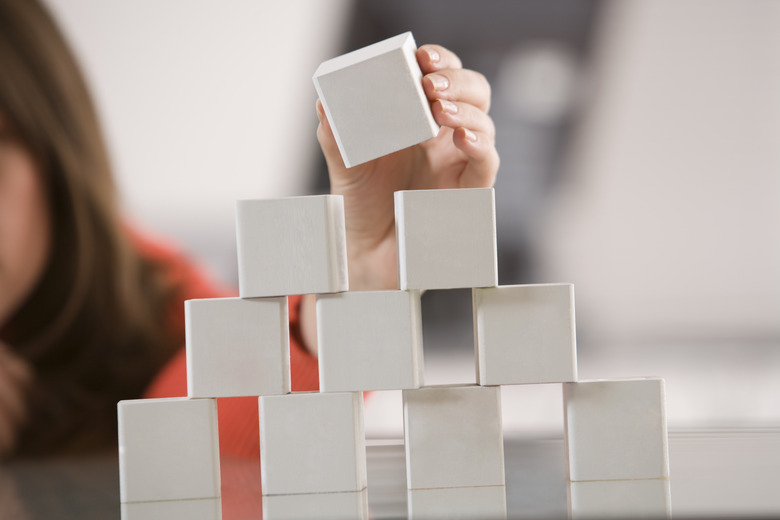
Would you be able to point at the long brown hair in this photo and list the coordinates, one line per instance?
(93, 328)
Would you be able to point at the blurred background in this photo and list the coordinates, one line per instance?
(640, 147)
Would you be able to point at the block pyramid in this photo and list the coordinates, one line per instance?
(313, 455)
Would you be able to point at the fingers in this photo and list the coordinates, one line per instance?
(445, 78)
(461, 85)
(473, 134)
(432, 58)
(482, 166)
(456, 115)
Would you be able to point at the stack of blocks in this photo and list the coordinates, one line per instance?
(312, 443)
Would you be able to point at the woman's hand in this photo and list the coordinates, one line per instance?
(463, 155)
(15, 381)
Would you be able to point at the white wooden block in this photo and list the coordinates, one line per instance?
(620, 499)
(312, 443)
(237, 347)
(446, 238)
(293, 245)
(369, 341)
(453, 437)
(525, 334)
(486, 503)
(374, 100)
(168, 449)
(200, 509)
(616, 430)
(317, 506)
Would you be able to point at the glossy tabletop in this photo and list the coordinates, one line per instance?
(714, 473)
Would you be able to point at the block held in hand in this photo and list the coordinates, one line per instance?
(374, 100)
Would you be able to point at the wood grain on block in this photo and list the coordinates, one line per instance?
(525, 334)
(446, 239)
(237, 347)
(294, 245)
(317, 506)
(616, 429)
(453, 437)
(485, 503)
(168, 449)
(620, 499)
(374, 100)
(369, 340)
(312, 443)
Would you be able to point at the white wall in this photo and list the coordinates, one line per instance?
(669, 225)
(203, 103)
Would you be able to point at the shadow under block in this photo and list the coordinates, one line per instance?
(446, 239)
(294, 245)
(525, 334)
(620, 499)
(201, 509)
(370, 340)
(374, 100)
(237, 347)
(317, 506)
(453, 437)
(485, 503)
(616, 430)
(312, 443)
(168, 449)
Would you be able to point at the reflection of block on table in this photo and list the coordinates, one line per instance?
(648, 498)
(525, 334)
(486, 503)
(202, 509)
(317, 506)
(293, 245)
(237, 347)
(616, 430)
(374, 100)
(369, 340)
(453, 437)
(312, 443)
(168, 449)
(446, 239)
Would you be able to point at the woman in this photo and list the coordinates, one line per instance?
(91, 311)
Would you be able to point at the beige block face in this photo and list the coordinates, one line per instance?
(525, 334)
(374, 100)
(237, 347)
(201, 509)
(453, 437)
(369, 340)
(486, 503)
(288, 246)
(616, 430)
(168, 449)
(620, 499)
(317, 506)
(446, 239)
(312, 443)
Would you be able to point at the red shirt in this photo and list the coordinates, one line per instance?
(239, 431)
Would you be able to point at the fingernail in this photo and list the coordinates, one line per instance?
(433, 56)
(439, 82)
(319, 110)
(448, 106)
(470, 136)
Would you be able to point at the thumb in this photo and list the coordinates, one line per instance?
(328, 142)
